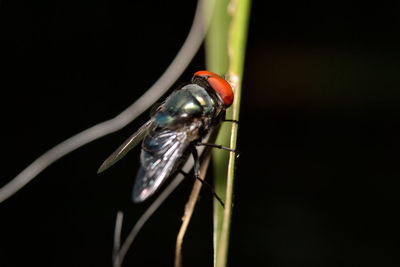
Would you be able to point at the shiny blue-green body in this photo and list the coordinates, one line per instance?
(192, 102)
(185, 117)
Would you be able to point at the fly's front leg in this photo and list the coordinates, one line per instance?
(197, 175)
(233, 121)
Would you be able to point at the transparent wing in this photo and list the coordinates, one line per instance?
(162, 154)
(130, 143)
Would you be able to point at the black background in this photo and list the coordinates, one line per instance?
(317, 181)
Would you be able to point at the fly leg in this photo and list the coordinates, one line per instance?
(234, 121)
(220, 146)
(237, 153)
(197, 175)
(217, 146)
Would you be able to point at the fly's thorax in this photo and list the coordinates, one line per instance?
(179, 106)
(211, 104)
(186, 105)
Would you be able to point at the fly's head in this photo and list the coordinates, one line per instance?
(218, 87)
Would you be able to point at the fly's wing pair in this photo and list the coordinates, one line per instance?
(163, 152)
(130, 143)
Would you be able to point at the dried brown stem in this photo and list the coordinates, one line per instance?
(190, 205)
(189, 208)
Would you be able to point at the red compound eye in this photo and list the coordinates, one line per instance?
(204, 73)
(221, 86)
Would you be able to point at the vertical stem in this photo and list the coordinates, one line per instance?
(225, 52)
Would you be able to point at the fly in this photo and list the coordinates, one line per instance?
(173, 131)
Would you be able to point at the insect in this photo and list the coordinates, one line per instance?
(174, 130)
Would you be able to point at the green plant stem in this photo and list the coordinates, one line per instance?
(225, 52)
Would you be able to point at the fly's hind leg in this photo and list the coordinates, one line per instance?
(197, 175)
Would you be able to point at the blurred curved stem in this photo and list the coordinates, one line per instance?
(225, 52)
(192, 43)
(171, 74)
